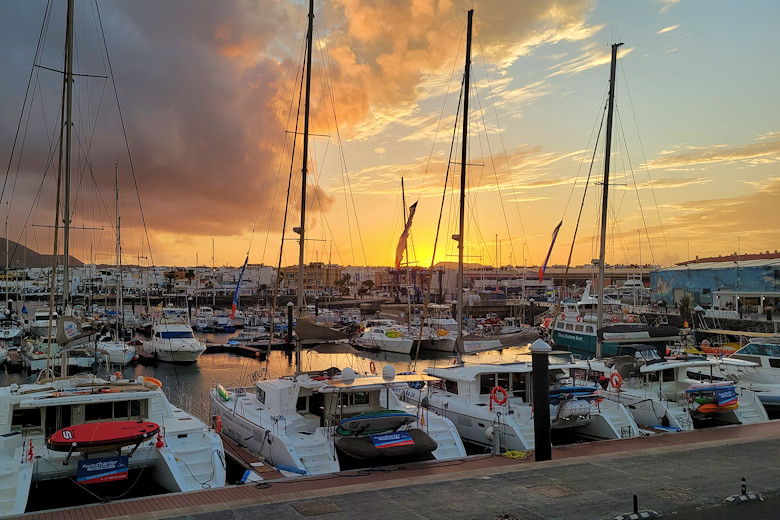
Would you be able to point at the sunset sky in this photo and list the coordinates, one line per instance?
(208, 96)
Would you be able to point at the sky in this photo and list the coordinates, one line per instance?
(196, 102)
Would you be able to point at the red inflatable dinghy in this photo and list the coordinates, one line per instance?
(102, 435)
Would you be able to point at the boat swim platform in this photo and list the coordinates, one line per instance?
(685, 475)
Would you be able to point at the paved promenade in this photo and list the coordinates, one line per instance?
(685, 475)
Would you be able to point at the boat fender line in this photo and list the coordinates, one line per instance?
(616, 380)
(372, 367)
(494, 396)
(615, 319)
(217, 424)
(579, 317)
(630, 318)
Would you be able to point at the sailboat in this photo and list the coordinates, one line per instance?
(118, 351)
(313, 423)
(99, 415)
(492, 403)
(598, 325)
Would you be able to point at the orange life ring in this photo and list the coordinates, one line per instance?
(579, 317)
(494, 395)
(630, 318)
(616, 380)
(217, 423)
(372, 366)
(615, 319)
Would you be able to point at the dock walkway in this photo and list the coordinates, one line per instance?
(684, 475)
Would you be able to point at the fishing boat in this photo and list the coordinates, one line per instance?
(52, 428)
(578, 328)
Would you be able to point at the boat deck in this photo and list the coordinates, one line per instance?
(684, 473)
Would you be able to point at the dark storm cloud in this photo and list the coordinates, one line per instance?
(195, 90)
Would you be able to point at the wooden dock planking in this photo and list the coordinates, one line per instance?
(248, 460)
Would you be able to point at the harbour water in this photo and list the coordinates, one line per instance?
(187, 386)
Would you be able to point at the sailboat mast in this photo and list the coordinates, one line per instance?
(119, 307)
(304, 169)
(605, 193)
(68, 125)
(463, 157)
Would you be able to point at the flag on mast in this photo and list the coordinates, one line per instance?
(554, 236)
(238, 287)
(399, 251)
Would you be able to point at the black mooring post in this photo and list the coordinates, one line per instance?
(744, 486)
(541, 388)
(636, 505)
(289, 322)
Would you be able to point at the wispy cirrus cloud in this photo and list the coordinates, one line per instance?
(592, 55)
(668, 29)
(766, 149)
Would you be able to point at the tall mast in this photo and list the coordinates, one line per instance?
(213, 278)
(68, 125)
(304, 169)
(119, 310)
(463, 157)
(605, 193)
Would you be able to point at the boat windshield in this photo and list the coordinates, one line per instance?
(175, 334)
(761, 349)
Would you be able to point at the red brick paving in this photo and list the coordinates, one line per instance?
(287, 489)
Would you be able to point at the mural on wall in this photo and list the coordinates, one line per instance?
(701, 284)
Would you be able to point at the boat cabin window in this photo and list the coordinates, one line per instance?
(514, 383)
(578, 328)
(174, 334)
(113, 410)
(518, 386)
(261, 395)
(774, 362)
(355, 399)
(486, 383)
(26, 418)
(569, 326)
(450, 386)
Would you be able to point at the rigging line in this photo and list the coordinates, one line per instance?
(579, 215)
(441, 212)
(647, 169)
(343, 162)
(443, 106)
(41, 37)
(124, 133)
(506, 156)
(284, 141)
(286, 208)
(53, 143)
